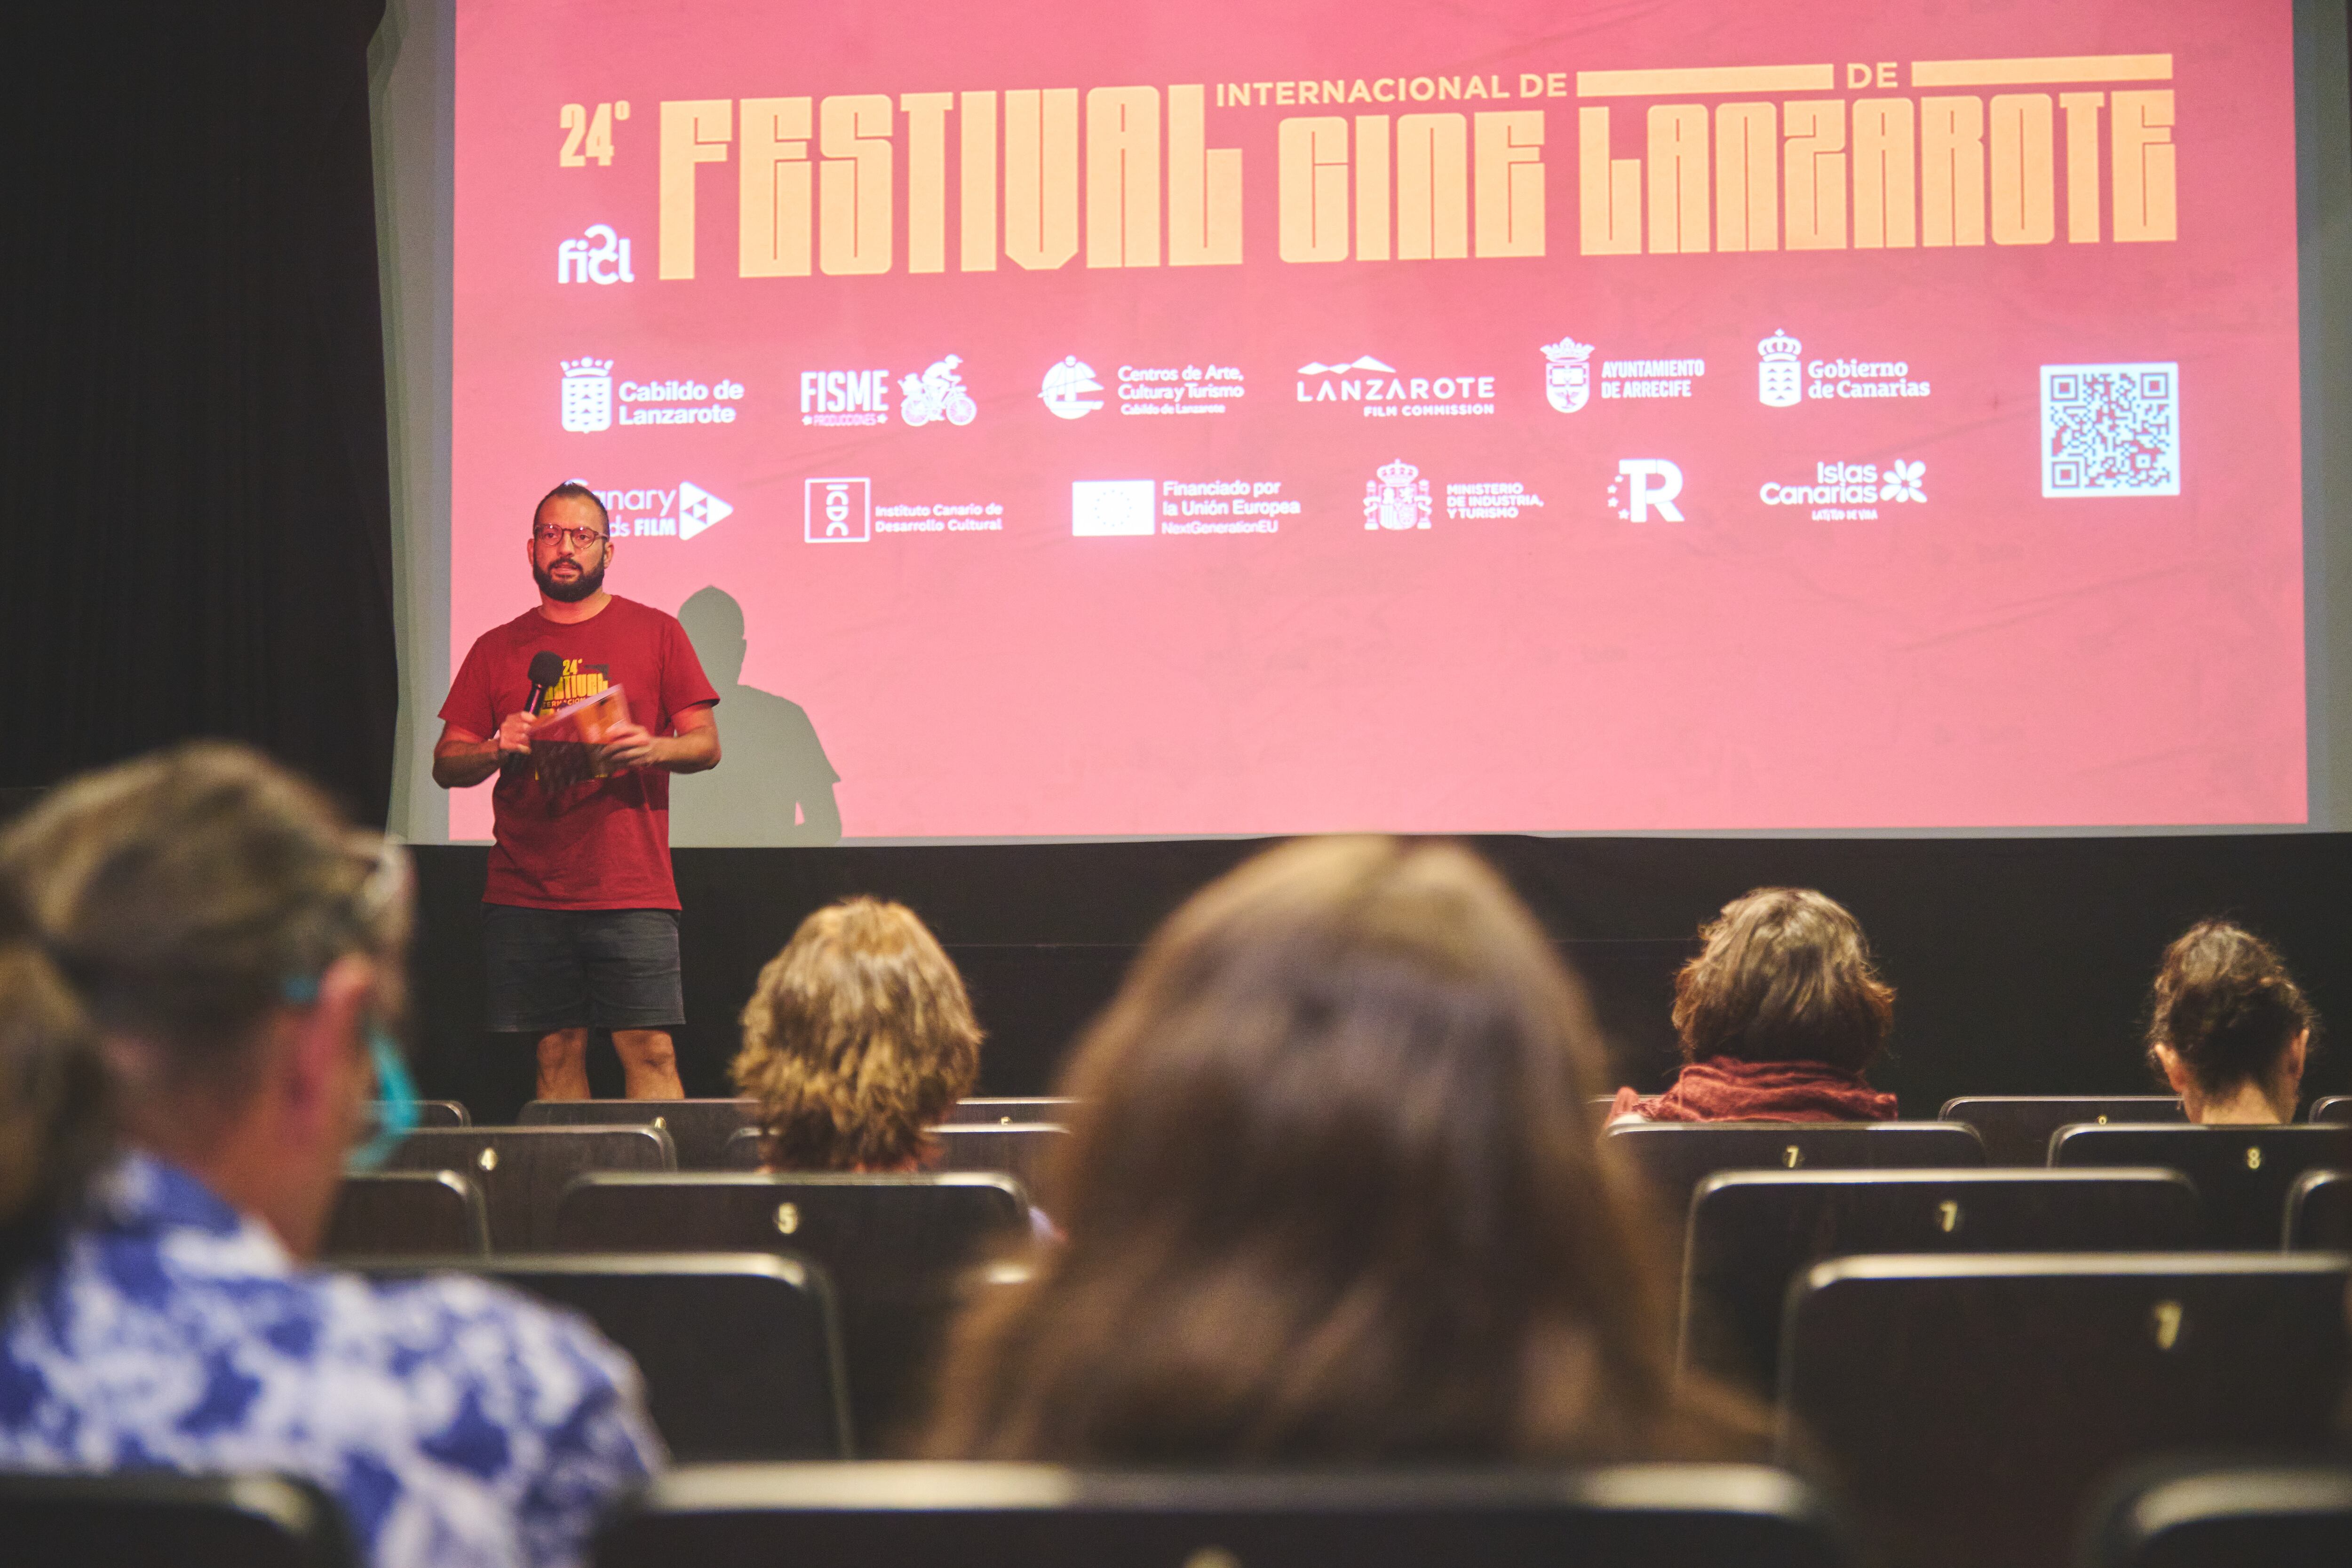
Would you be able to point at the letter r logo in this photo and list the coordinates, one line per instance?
(1654, 483)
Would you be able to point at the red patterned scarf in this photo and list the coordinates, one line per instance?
(1722, 1089)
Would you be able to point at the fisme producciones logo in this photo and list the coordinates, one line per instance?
(937, 393)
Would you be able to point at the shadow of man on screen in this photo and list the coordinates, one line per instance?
(774, 784)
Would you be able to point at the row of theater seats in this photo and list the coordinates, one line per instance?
(1974, 1349)
(843, 1516)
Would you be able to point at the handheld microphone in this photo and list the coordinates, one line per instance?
(546, 670)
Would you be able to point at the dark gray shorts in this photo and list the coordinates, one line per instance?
(582, 969)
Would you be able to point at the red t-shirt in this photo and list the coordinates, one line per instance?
(602, 843)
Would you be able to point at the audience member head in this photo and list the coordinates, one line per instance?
(232, 946)
(1784, 975)
(1333, 1193)
(858, 1037)
(55, 1129)
(2229, 1029)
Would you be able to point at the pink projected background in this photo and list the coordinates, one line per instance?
(1269, 417)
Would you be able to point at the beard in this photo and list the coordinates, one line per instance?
(571, 592)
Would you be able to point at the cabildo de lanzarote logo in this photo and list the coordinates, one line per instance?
(588, 396)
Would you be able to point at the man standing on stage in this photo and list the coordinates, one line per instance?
(580, 924)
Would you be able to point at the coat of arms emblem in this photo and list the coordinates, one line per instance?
(1568, 375)
(1397, 498)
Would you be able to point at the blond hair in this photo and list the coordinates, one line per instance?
(172, 900)
(858, 1037)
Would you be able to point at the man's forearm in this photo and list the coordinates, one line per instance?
(693, 752)
(461, 764)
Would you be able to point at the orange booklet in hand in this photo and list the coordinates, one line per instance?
(567, 747)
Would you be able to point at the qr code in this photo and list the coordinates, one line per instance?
(2111, 430)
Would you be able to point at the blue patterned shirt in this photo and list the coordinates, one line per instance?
(458, 1422)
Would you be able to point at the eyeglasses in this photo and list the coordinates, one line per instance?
(549, 533)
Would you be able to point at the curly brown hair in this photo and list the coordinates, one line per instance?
(858, 1037)
(1333, 1193)
(1785, 975)
(2225, 1004)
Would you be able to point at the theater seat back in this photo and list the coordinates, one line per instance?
(1973, 1405)
(2016, 1128)
(523, 1171)
(699, 1128)
(1752, 1233)
(2243, 1174)
(740, 1352)
(896, 1247)
(152, 1518)
(1023, 1516)
(1674, 1157)
(2190, 1515)
(407, 1214)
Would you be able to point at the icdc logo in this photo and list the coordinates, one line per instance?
(839, 511)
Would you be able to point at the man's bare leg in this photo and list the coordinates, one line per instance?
(563, 1064)
(648, 1064)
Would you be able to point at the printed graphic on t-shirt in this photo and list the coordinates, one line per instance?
(579, 681)
(564, 780)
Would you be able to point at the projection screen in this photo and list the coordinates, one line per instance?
(1093, 421)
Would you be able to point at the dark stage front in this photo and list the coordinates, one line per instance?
(2022, 965)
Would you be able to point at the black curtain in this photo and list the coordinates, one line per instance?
(192, 408)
